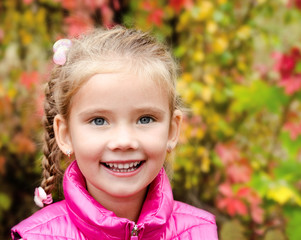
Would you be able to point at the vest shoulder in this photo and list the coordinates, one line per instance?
(184, 210)
(188, 222)
(52, 220)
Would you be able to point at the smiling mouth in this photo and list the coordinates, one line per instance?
(123, 167)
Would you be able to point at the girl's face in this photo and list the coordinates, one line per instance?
(119, 129)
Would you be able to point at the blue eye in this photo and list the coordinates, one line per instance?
(145, 120)
(99, 121)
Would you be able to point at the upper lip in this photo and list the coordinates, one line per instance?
(122, 161)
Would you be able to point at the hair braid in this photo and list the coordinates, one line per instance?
(52, 154)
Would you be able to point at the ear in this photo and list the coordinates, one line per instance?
(174, 130)
(62, 135)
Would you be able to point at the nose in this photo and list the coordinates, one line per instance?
(123, 139)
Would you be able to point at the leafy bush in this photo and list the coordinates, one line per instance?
(240, 150)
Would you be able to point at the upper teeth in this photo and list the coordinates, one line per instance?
(123, 165)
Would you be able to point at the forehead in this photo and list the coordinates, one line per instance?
(118, 90)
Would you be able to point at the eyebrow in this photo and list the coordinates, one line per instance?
(93, 111)
(153, 110)
(139, 110)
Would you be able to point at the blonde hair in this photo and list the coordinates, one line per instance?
(101, 51)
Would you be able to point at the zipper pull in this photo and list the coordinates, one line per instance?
(134, 233)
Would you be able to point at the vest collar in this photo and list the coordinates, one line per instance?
(96, 222)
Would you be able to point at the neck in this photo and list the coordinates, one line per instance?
(123, 207)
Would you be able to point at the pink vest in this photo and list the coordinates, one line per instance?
(80, 216)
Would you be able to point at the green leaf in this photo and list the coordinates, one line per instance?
(292, 146)
(298, 67)
(233, 230)
(257, 97)
(180, 51)
(274, 235)
(288, 170)
(5, 201)
(293, 229)
(261, 182)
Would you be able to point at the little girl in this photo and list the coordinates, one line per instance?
(111, 104)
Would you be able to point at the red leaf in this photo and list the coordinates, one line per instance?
(29, 79)
(27, 2)
(1, 34)
(239, 172)
(156, 17)
(228, 152)
(285, 66)
(257, 214)
(147, 6)
(294, 3)
(78, 24)
(291, 84)
(177, 5)
(232, 206)
(69, 4)
(225, 189)
(294, 129)
(239, 207)
(222, 203)
(107, 16)
(244, 192)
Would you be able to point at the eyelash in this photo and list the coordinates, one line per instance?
(152, 119)
(93, 121)
(104, 121)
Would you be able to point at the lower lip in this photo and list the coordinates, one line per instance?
(123, 174)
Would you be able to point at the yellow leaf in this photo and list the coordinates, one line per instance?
(28, 18)
(261, 1)
(220, 44)
(12, 92)
(201, 151)
(198, 56)
(200, 133)
(211, 27)
(188, 95)
(280, 194)
(222, 1)
(197, 107)
(209, 79)
(188, 184)
(187, 77)
(244, 32)
(206, 10)
(2, 91)
(241, 66)
(206, 94)
(205, 165)
(183, 21)
(41, 16)
(26, 38)
(181, 86)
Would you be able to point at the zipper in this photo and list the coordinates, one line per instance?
(134, 233)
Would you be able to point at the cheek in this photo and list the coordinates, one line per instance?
(155, 143)
(86, 146)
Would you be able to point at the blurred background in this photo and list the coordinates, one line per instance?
(239, 155)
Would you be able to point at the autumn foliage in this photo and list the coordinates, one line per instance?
(239, 155)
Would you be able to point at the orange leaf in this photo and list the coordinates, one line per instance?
(2, 165)
(23, 143)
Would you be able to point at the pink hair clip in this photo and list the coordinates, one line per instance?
(41, 198)
(60, 48)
